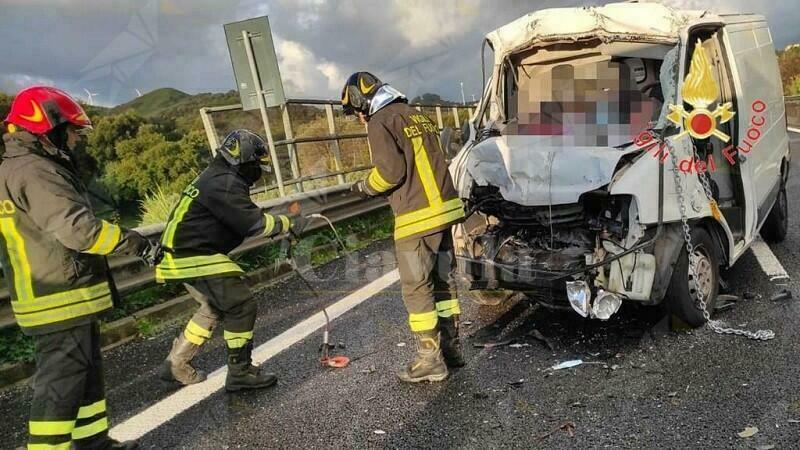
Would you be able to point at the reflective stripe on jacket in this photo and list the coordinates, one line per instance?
(410, 166)
(214, 215)
(53, 246)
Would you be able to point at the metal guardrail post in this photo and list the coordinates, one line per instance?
(248, 46)
(456, 120)
(293, 159)
(211, 131)
(439, 117)
(337, 154)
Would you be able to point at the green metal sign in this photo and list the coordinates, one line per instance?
(263, 57)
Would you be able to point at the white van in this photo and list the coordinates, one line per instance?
(602, 134)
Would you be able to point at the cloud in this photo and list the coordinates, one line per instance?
(424, 24)
(304, 73)
(418, 46)
(14, 82)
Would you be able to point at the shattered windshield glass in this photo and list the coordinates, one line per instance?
(593, 101)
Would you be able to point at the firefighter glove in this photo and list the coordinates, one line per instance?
(359, 188)
(299, 224)
(151, 254)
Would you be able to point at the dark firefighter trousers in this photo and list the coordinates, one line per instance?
(427, 268)
(223, 297)
(68, 402)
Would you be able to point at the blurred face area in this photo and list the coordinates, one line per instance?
(584, 104)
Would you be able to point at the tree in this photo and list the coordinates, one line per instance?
(149, 159)
(108, 132)
(789, 63)
(5, 105)
(432, 99)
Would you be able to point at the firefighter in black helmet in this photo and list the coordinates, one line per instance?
(411, 170)
(215, 214)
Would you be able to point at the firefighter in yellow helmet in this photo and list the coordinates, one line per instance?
(54, 258)
(411, 170)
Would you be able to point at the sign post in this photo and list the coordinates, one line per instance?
(258, 79)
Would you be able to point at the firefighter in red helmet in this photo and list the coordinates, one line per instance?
(54, 257)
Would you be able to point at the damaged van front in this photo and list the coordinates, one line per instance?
(568, 171)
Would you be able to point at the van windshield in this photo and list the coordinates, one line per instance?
(591, 101)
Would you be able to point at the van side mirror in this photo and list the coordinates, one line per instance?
(451, 142)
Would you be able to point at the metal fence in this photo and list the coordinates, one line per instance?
(792, 110)
(287, 161)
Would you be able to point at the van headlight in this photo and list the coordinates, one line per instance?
(605, 305)
(579, 296)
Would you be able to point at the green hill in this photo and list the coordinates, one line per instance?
(152, 103)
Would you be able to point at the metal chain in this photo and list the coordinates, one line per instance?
(715, 325)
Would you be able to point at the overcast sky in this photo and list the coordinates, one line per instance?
(114, 47)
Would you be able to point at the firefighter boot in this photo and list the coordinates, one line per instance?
(451, 345)
(242, 374)
(428, 364)
(177, 366)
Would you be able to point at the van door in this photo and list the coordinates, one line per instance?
(730, 179)
(760, 137)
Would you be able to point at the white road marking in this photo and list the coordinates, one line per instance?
(168, 408)
(768, 261)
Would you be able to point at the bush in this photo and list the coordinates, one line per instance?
(157, 206)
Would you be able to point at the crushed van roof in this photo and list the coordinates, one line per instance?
(648, 22)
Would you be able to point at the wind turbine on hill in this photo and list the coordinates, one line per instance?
(138, 92)
(90, 96)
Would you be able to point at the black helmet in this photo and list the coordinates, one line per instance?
(242, 147)
(359, 89)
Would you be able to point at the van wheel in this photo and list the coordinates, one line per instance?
(777, 223)
(680, 298)
(491, 297)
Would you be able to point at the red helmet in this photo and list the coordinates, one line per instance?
(39, 109)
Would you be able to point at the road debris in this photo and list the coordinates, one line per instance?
(401, 344)
(519, 345)
(567, 427)
(480, 395)
(783, 294)
(747, 432)
(725, 302)
(516, 382)
(379, 432)
(764, 447)
(567, 364)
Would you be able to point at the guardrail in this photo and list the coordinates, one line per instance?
(792, 104)
(131, 275)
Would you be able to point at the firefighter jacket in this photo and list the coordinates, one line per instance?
(410, 167)
(53, 246)
(215, 214)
